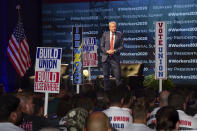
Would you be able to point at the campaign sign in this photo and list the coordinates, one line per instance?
(90, 52)
(47, 69)
(77, 55)
(160, 50)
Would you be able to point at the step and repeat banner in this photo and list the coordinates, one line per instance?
(136, 20)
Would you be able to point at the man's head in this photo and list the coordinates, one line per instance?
(98, 121)
(112, 26)
(150, 96)
(115, 96)
(10, 109)
(140, 111)
(26, 102)
(127, 96)
(177, 100)
(163, 98)
(167, 119)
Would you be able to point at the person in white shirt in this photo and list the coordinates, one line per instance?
(167, 119)
(195, 116)
(140, 112)
(163, 101)
(10, 113)
(177, 99)
(119, 118)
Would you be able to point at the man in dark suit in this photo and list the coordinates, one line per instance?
(111, 45)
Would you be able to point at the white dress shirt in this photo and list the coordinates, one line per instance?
(113, 38)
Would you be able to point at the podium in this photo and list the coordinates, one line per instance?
(132, 75)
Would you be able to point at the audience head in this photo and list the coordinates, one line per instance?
(26, 102)
(167, 119)
(98, 121)
(127, 96)
(163, 98)
(64, 106)
(115, 96)
(75, 119)
(191, 108)
(38, 107)
(177, 100)
(10, 109)
(140, 111)
(150, 96)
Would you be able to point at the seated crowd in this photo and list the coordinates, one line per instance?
(120, 109)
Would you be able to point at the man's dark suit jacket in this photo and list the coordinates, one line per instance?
(105, 45)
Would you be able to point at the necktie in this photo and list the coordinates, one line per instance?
(112, 42)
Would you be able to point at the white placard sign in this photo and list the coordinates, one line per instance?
(47, 69)
(160, 50)
(90, 52)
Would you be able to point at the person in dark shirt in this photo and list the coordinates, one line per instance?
(30, 121)
(10, 113)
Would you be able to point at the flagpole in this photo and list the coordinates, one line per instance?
(18, 7)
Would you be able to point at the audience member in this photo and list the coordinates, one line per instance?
(98, 121)
(101, 102)
(191, 107)
(38, 107)
(167, 119)
(119, 118)
(31, 122)
(140, 112)
(26, 102)
(64, 106)
(151, 97)
(163, 101)
(74, 120)
(177, 99)
(10, 113)
(54, 101)
(127, 99)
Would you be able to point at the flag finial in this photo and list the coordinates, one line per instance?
(18, 7)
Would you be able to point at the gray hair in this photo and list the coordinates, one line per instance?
(112, 22)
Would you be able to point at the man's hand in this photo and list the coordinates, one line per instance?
(110, 52)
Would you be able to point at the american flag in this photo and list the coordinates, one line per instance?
(18, 50)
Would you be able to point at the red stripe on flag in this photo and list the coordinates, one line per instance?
(16, 66)
(27, 50)
(24, 55)
(15, 55)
